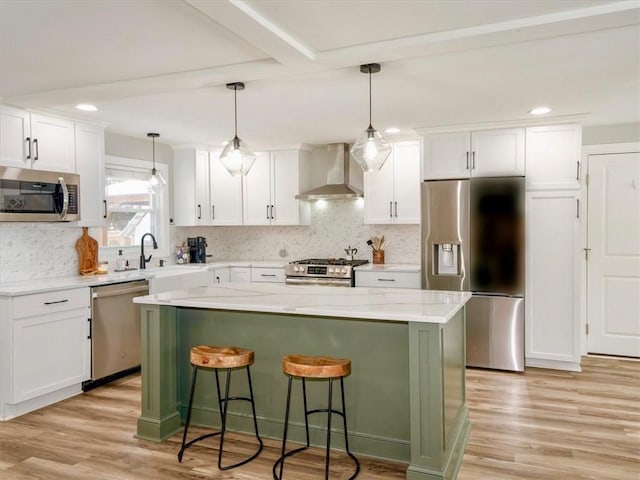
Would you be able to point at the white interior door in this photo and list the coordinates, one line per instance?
(613, 278)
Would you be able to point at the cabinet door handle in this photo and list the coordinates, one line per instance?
(199, 212)
(577, 208)
(56, 301)
(467, 168)
(390, 209)
(578, 171)
(90, 329)
(272, 212)
(267, 274)
(28, 140)
(218, 279)
(213, 212)
(104, 204)
(386, 279)
(35, 144)
(395, 208)
(473, 160)
(267, 212)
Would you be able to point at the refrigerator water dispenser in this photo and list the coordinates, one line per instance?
(447, 255)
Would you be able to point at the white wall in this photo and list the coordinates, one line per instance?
(620, 133)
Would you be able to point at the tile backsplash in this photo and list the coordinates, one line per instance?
(47, 250)
(37, 250)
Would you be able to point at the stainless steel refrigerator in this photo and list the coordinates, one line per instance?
(473, 239)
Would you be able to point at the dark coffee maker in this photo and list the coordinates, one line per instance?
(197, 249)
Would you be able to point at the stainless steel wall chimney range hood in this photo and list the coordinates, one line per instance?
(337, 186)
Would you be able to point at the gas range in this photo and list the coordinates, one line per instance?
(337, 272)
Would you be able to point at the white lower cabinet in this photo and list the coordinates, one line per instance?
(388, 279)
(240, 274)
(552, 280)
(179, 281)
(267, 274)
(221, 275)
(45, 349)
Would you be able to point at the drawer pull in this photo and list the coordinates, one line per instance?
(267, 274)
(56, 301)
(386, 279)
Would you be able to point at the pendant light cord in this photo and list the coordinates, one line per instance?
(153, 143)
(369, 97)
(235, 109)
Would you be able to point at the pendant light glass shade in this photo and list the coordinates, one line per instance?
(157, 178)
(236, 156)
(370, 149)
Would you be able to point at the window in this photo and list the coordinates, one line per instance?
(133, 206)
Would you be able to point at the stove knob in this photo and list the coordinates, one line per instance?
(344, 270)
(297, 269)
(331, 270)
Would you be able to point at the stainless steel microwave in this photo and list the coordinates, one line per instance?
(38, 196)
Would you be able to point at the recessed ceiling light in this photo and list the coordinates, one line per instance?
(87, 107)
(539, 110)
(392, 130)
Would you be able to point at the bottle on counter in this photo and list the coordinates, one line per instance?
(120, 262)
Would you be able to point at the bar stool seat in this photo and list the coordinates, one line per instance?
(315, 367)
(227, 358)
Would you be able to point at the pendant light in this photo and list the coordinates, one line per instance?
(157, 179)
(370, 149)
(236, 157)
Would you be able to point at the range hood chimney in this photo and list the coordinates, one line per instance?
(337, 186)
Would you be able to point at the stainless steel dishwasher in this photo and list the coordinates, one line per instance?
(115, 330)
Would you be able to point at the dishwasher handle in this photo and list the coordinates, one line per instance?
(123, 291)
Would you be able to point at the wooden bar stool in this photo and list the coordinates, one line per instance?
(319, 368)
(227, 358)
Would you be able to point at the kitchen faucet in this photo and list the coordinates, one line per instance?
(143, 260)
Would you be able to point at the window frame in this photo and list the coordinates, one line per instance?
(132, 253)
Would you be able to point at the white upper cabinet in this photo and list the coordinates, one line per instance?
(15, 138)
(270, 187)
(36, 141)
(225, 193)
(52, 141)
(553, 157)
(446, 155)
(485, 153)
(90, 167)
(257, 191)
(392, 195)
(191, 187)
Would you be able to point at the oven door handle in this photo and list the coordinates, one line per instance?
(308, 281)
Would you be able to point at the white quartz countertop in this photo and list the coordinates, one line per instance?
(388, 267)
(391, 304)
(42, 285)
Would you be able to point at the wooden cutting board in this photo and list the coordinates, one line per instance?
(87, 248)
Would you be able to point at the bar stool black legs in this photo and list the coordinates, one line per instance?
(279, 464)
(223, 402)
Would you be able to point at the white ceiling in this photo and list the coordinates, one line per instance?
(162, 65)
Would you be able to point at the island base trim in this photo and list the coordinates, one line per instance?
(454, 455)
(158, 431)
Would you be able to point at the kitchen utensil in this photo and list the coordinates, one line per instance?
(370, 243)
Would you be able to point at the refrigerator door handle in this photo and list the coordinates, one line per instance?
(473, 160)
(467, 168)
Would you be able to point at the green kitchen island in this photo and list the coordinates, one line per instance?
(405, 395)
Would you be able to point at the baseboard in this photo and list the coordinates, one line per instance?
(553, 364)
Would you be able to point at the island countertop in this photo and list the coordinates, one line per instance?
(390, 304)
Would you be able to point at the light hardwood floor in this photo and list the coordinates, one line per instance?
(542, 425)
